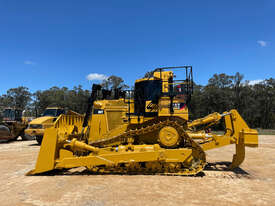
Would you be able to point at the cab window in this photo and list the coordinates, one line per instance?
(60, 111)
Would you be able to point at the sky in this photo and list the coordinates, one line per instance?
(69, 43)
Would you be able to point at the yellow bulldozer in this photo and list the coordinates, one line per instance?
(144, 131)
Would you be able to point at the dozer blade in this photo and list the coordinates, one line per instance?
(47, 154)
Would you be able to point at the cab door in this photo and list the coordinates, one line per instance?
(98, 126)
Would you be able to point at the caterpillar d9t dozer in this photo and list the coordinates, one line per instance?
(147, 134)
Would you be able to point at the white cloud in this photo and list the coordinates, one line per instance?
(29, 62)
(96, 76)
(257, 81)
(262, 43)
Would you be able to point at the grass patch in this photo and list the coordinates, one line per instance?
(217, 132)
(260, 131)
(266, 131)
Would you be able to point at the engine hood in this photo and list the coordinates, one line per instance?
(42, 120)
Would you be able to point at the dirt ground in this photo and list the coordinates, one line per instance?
(251, 184)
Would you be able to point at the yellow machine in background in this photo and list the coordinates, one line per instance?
(37, 126)
(13, 124)
(147, 133)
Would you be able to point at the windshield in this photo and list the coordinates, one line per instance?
(53, 112)
(49, 112)
(11, 114)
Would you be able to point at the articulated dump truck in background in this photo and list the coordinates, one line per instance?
(13, 124)
(145, 131)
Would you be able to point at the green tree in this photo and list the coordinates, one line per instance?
(18, 97)
(218, 93)
(221, 81)
(237, 86)
(264, 94)
(114, 82)
(75, 99)
(78, 99)
(196, 107)
(54, 96)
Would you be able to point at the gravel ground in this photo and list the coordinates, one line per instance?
(251, 184)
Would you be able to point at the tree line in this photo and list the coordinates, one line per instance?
(256, 103)
(34, 104)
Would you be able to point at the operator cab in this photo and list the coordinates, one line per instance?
(160, 90)
(10, 114)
